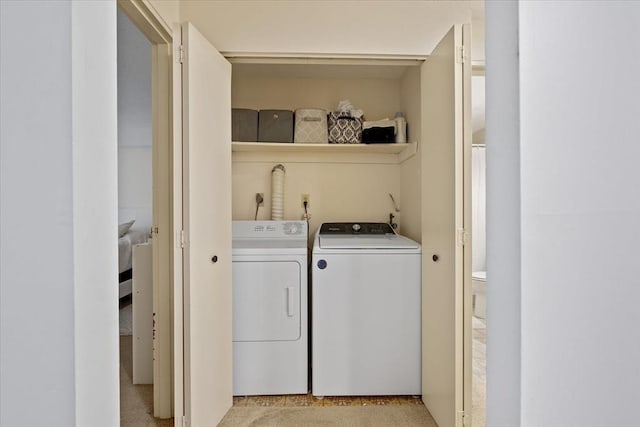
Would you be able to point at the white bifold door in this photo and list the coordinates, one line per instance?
(202, 308)
(446, 222)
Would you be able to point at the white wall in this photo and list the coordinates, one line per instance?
(379, 98)
(338, 192)
(94, 125)
(478, 34)
(58, 256)
(478, 209)
(167, 10)
(478, 109)
(134, 125)
(580, 175)
(36, 237)
(478, 175)
(578, 96)
(503, 215)
(356, 191)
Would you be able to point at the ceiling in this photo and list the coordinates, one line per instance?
(337, 27)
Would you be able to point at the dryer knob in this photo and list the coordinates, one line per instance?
(356, 227)
(292, 229)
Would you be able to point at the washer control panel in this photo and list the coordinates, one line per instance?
(356, 228)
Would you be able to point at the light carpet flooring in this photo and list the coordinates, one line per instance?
(370, 416)
(136, 407)
(479, 376)
(305, 410)
(126, 323)
(136, 401)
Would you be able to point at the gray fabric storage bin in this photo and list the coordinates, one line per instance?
(244, 125)
(275, 126)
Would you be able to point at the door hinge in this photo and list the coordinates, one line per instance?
(460, 55)
(463, 419)
(463, 237)
(154, 230)
(180, 239)
(185, 423)
(180, 54)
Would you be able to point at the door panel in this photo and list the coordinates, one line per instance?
(162, 357)
(443, 148)
(467, 290)
(206, 106)
(176, 204)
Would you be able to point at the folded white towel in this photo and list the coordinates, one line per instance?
(384, 123)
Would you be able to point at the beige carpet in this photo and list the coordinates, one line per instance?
(479, 377)
(370, 416)
(126, 325)
(136, 401)
(136, 408)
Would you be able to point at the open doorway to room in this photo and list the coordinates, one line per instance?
(479, 256)
(144, 212)
(135, 219)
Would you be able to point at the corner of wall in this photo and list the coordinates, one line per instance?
(94, 165)
(504, 372)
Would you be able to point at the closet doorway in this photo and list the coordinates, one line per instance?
(144, 187)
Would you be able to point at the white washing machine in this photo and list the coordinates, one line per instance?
(270, 335)
(366, 311)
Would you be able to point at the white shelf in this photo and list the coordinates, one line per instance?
(338, 153)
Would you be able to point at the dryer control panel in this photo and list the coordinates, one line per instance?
(269, 229)
(294, 228)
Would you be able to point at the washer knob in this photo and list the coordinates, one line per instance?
(355, 227)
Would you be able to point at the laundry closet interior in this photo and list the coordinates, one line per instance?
(345, 182)
(418, 185)
(421, 183)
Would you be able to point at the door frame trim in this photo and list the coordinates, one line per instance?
(148, 21)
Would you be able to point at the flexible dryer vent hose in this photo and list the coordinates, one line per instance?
(277, 193)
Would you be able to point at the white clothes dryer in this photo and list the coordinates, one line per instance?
(270, 323)
(366, 311)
